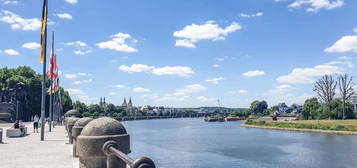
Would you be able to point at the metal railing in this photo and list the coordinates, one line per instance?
(110, 148)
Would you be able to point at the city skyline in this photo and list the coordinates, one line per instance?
(186, 54)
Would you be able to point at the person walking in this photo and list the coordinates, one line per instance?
(36, 119)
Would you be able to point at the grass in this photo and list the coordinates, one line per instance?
(336, 125)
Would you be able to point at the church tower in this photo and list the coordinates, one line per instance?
(130, 104)
(124, 103)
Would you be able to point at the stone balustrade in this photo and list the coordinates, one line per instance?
(102, 143)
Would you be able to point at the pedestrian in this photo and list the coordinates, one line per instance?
(36, 119)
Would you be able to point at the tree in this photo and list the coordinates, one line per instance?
(10, 77)
(110, 108)
(325, 89)
(80, 106)
(66, 100)
(94, 108)
(346, 90)
(310, 109)
(259, 107)
(273, 109)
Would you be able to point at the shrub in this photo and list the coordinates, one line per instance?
(261, 122)
(249, 122)
(338, 127)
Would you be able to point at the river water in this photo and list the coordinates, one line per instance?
(186, 143)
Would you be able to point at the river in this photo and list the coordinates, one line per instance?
(191, 142)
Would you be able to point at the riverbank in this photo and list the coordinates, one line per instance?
(346, 127)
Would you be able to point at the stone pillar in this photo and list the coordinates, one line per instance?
(76, 131)
(70, 123)
(92, 139)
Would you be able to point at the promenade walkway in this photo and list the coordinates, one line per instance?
(30, 152)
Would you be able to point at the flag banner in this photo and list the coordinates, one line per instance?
(55, 87)
(43, 32)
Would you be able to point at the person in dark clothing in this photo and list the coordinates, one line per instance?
(16, 124)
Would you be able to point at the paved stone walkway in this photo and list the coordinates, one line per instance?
(30, 152)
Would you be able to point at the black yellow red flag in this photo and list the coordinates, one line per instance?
(43, 31)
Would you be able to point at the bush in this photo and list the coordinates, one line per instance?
(249, 122)
(261, 122)
(338, 127)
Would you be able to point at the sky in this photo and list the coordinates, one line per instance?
(184, 53)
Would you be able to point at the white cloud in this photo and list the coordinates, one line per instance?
(215, 80)
(11, 52)
(112, 93)
(344, 58)
(136, 68)
(283, 87)
(215, 66)
(18, 22)
(71, 1)
(77, 44)
(205, 99)
(76, 75)
(253, 73)
(345, 44)
(64, 16)
(222, 58)
(194, 88)
(75, 91)
(181, 71)
(31, 45)
(191, 34)
(118, 43)
(309, 75)
(82, 52)
(10, 2)
(316, 5)
(349, 64)
(141, 90)
(355, 30)
(119, 86)
(238, 91)
(279, 95)
(244, 15)
(82, 82)
(78, 94)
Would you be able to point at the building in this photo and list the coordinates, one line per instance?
(127, 105)
(102, 102)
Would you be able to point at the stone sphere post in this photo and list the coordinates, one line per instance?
(70, 123)
(92, 138)
(76, 131)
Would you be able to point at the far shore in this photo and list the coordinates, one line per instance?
(302, 130)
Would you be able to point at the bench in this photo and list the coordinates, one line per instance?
(12, 132)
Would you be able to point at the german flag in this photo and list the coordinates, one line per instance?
(43, 31)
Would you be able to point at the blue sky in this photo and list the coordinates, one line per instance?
(184, 53)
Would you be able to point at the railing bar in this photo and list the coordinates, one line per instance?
(121, 155)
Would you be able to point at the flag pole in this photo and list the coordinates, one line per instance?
(51, 81)
(43, 61)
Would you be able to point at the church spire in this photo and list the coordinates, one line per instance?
(130, 104)
(124, 103)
